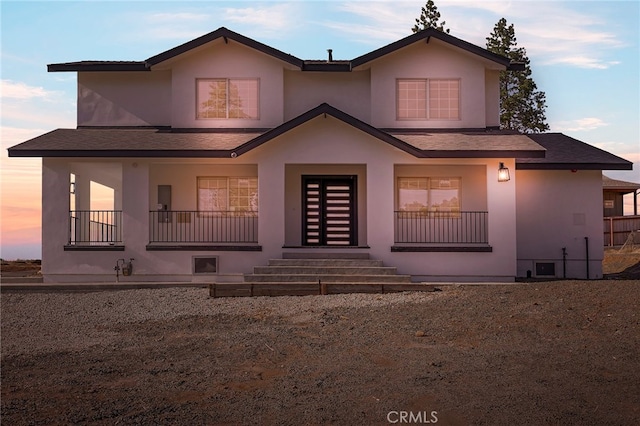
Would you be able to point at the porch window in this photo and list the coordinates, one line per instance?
(227, 194)
(428, 99)
(227, 98)
(429, 194)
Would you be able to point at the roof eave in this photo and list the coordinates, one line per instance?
(573, 166)
(507, 153)
(109, 153)
(96, 66)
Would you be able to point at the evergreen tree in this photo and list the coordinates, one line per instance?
(429, 18)
(522, 105)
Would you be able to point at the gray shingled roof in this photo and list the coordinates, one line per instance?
(567, 153)
(509, 145)
(101, 142)
(539, 151)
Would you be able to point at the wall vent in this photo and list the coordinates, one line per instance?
(205, 265)
(545, 269)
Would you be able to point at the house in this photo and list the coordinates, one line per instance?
(613, 194)
(223, 153)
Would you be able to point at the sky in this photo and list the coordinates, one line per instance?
(584, 56)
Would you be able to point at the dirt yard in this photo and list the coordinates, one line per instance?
(533, 353)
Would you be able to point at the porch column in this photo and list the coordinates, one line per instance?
(501, 205)
(380, 206)
(55, 213)
(135, 206)
(271, 183)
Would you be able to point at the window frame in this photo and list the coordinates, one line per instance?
(428, 114)
(227, 81)
(429, 211)
(230, 210)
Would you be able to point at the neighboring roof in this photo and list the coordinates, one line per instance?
(194, 143)
(619, 185)
(305, 65)
(567, 153)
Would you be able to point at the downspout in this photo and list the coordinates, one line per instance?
(564, 263)
(586, 241)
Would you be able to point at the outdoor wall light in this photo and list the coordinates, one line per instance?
(503, 173)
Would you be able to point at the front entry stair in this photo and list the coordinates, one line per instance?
(299, 274)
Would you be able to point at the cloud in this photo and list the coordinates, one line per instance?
(266, 20)
(551, 32)
(578, 125)
(375, 22)
(10, 89)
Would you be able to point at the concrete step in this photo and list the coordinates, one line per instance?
(342, 278)
(307, 289)
(325, 262)
(325, 270)
(325, 255)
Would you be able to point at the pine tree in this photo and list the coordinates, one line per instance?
(429, 18)
(522, 105)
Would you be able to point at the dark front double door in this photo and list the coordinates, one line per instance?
(329, 211)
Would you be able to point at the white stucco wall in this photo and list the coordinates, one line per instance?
(492, 98)
(348, 91)
(556, 209)
(124, 98)
(322, 145)
(220, 60)
(433, 60)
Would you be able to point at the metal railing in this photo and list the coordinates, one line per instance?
(441, 227)
(190, 226)
(95, 227)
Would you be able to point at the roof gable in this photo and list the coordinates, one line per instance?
(426, 35)
(226, 35)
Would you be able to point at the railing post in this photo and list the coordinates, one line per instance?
(610, 232)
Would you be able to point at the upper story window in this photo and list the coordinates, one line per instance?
(227, 98)
(428, 99)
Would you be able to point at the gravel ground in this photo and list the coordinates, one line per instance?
(537, 353)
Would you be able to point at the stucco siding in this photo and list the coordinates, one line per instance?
(232, 60)
(124, 99)
(428, 61)
(492, 98)
(556, 209)
(346, 91)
